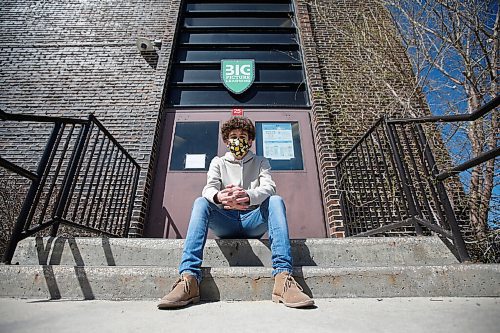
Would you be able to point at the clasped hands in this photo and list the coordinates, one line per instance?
(233, 197)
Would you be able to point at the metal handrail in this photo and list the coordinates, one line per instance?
(479, 159)
(483, 110)
(106, 132)
(391, 174)
(40, 119)
(356, 145)
(82, 163)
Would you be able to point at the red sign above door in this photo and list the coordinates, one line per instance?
(237, 112)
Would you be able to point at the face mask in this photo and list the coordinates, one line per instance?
(238, 147)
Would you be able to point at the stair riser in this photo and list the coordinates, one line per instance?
(224, 253)
(252, 283)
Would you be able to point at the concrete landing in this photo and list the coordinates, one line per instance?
(384, 315)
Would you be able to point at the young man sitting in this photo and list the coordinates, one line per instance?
(238, 201)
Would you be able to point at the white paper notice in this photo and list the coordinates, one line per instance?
(195, 161)
(277, 141)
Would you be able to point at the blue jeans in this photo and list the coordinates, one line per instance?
(269, 216)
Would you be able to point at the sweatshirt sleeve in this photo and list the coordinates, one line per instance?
(266, 187)
(214, 180)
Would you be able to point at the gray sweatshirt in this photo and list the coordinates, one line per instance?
(250, 173)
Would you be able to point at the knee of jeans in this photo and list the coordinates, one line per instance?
(276, 200)
(201, 202)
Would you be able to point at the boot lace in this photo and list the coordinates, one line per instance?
(186, 284)
(289, 282)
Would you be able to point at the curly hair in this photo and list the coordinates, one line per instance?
(242, 123)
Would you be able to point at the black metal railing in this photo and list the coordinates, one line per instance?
(84, 179)
(390, 183)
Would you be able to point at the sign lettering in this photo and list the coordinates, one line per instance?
(237, 74)
(237, 112)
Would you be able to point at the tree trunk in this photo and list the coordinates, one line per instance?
(477, 181)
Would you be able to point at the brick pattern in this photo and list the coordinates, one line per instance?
(357, 71)
(320, 116)
(74, 57)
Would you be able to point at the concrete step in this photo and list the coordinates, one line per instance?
(249, 283)
(346, 252)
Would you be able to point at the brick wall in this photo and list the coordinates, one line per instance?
(75, 57)
(357, 71)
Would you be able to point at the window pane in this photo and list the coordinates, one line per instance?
(237, 38)
(280, 143)
(272, 97)
(203, 75)
(195, 145)
(240, 7)
(237, 22)
(282, 75)
(218, 55)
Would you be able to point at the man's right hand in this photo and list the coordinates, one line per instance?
(233, 197)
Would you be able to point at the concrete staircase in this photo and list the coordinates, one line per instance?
(118, 269)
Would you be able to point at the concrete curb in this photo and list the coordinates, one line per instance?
(249, 283)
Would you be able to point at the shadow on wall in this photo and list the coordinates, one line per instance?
(13, 190)
(151, 58)
(170, 225)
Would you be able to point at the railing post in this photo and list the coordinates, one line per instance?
(30, 197)
(70, 177)
(445, 200)
(340, 185)
(132, 202)
(402, 174)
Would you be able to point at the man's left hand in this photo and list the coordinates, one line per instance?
(237, 199)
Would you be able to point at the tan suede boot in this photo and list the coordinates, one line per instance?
(289, 292)
(184, 291)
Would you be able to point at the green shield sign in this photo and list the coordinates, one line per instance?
(237, 74)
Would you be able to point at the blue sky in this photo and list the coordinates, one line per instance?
(446, 97)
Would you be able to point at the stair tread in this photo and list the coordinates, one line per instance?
(249, 283)
(100, 268)
(251, 252)
(255, 269)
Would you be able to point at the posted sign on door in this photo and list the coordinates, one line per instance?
(278, 141)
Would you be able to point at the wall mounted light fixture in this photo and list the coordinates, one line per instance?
(147, 45)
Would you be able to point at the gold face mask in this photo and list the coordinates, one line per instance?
(238, 147)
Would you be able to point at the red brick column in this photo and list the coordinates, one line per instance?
(321, 124)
